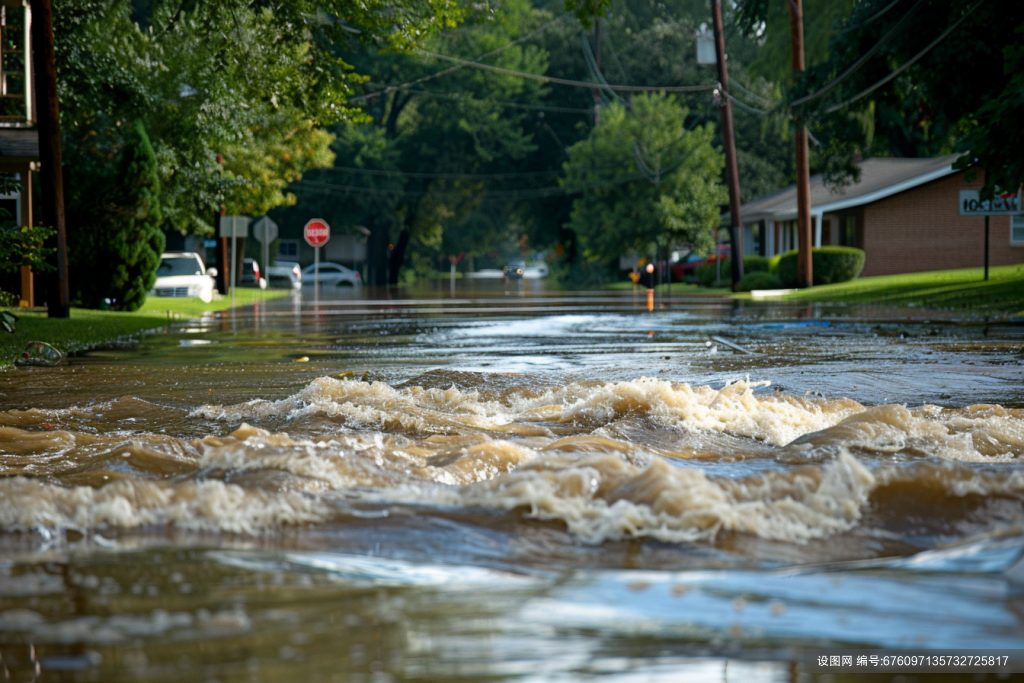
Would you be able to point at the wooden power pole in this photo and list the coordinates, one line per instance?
(597, 60)
(805, 263)
(58, 301)
(729, 141)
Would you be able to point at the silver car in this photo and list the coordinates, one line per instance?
(333, 275)
(285, 274)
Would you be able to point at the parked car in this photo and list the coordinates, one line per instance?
(250, 275)
(332, 275)
(182, 274)
(687, 268)
(284, 274)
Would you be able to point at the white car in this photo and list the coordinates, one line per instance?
(332, 275)
(181, 274)
(285, 273)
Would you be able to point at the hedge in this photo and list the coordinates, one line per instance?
(759, 279)
(831, 264)
(751, 264)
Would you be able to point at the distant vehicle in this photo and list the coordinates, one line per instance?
(250, 275)
(518, 270)
(285, 274)
(332, 275)
(181, 274)
(515, 270)
(687, 268)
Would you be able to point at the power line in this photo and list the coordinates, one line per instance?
(570, 82)
(504, 103)
(906, 66)
(449, 176)
(872, 17)
(863, 58)
(444, 72)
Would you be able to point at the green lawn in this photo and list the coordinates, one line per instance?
(944, 289)
(190, 308)
(86, 328)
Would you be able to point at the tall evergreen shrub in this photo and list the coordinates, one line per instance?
(114, 217)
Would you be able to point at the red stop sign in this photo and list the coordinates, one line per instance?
(317, 232)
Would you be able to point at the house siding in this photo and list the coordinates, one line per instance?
(921, 229)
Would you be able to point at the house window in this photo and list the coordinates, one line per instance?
(849, 235)
(1017, 229)
(288, 249)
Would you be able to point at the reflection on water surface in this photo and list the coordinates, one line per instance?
(487, 487)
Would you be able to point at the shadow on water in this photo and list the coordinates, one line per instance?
(485, 483)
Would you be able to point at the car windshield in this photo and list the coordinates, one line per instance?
(179, 265)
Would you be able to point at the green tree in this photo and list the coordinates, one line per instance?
(114, 198)
(644, 179)
(410, 173)
(935, 77)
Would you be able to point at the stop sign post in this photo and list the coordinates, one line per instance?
(316, 233)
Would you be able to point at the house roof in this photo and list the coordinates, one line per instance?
(879, 178)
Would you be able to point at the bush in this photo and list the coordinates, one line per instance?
(751, 264)
(755, 264)
(706, 272)
(831, 264)
(759, 279)
(114, 203)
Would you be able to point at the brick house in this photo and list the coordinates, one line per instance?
(904, 213)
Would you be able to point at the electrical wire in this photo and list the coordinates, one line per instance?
(443, 176)
(594, 69)
(444, 72)
(907, 65)
(570, 82)
(872, 17)
(538, 107)
(863, 58)
(747, 108)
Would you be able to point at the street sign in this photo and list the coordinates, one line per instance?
(234, 226)
(264, 229)
(317, 232)
(1005, 204)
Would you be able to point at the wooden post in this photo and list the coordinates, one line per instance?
(28, 293)
(805, 264)
(597, 58)
(986, 247)
(51, 172)
(729, 142)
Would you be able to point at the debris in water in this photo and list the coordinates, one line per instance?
(7, 320)
(304, 359)
(734, 347)
(39, 353)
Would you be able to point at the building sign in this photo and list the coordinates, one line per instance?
(1005, 204)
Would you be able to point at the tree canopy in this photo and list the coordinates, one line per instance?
(644, 179)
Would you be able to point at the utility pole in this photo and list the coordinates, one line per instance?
(597, 58)
(58, 300)
(729, 141)
(805, 263)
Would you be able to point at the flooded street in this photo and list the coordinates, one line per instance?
(532, 486)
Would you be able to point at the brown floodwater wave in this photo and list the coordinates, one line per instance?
(607, 461)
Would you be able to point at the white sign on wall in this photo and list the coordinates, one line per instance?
(1001, 205)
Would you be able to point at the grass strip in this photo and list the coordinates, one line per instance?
(965, 290)
(88, 328)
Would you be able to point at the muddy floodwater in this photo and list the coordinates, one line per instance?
(475, 485)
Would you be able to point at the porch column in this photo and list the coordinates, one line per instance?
(817, 228)
(28, 298)
(769, 242)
